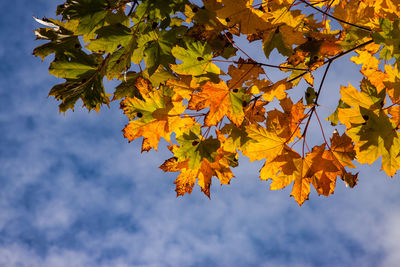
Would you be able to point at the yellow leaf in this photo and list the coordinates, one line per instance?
(181, 87)
(392, 82)
(154, 117)
(263, 144)
(241, 12)
(277, 90)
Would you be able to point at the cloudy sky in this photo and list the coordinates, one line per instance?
(73, 192)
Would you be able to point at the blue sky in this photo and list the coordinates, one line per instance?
(73, 192)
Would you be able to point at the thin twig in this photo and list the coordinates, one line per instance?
(132, 7)
(260, 64)
(335, 18)
(316, 99)
(334, 58)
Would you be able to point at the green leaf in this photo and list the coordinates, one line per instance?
(90, 13)
(61, 40)
(390, 38)
(71, 70)
(275, 40)
(158, 51)
(90, 91)
(194, 148)
(310, 95)
(196, 59)
(127, 88)
(376, 137)
(110, 38)
(119, 62)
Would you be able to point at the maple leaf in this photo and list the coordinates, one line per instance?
(342, 153)
(281, 168)
(277, 90)
(221, 100)
(110, 38)
(282, 38)
(353, 13)
(182, 87)
(255, 112)
(342, 148)
(286, 124)
(263, 143)
(187, 178)
(389, 37)
(232, 138)
(198, 158)
(370, 65)
(152, 117)
(392, 82)
(394, 112)
(196, 59)
(284, 165)
(370, 128)
(241, 13)
(246, 71)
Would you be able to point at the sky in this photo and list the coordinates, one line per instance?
(74, 192)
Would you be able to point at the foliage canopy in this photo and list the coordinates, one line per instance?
(170, 57)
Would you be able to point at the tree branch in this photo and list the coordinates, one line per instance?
(260, 64)
(335, 18)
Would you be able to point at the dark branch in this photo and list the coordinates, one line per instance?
(335, 18)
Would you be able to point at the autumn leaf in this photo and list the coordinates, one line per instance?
(263, 144)
(286, 124)
(196, 59)
(246, 71)
(153, 117)
(198, 159)
(370, 128)
(277, 90)
(392, 83)
(241, 13)
(221, 101)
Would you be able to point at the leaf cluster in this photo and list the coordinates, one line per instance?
(169, 57)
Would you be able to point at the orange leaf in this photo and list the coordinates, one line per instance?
(286, 124)
(221, 101)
